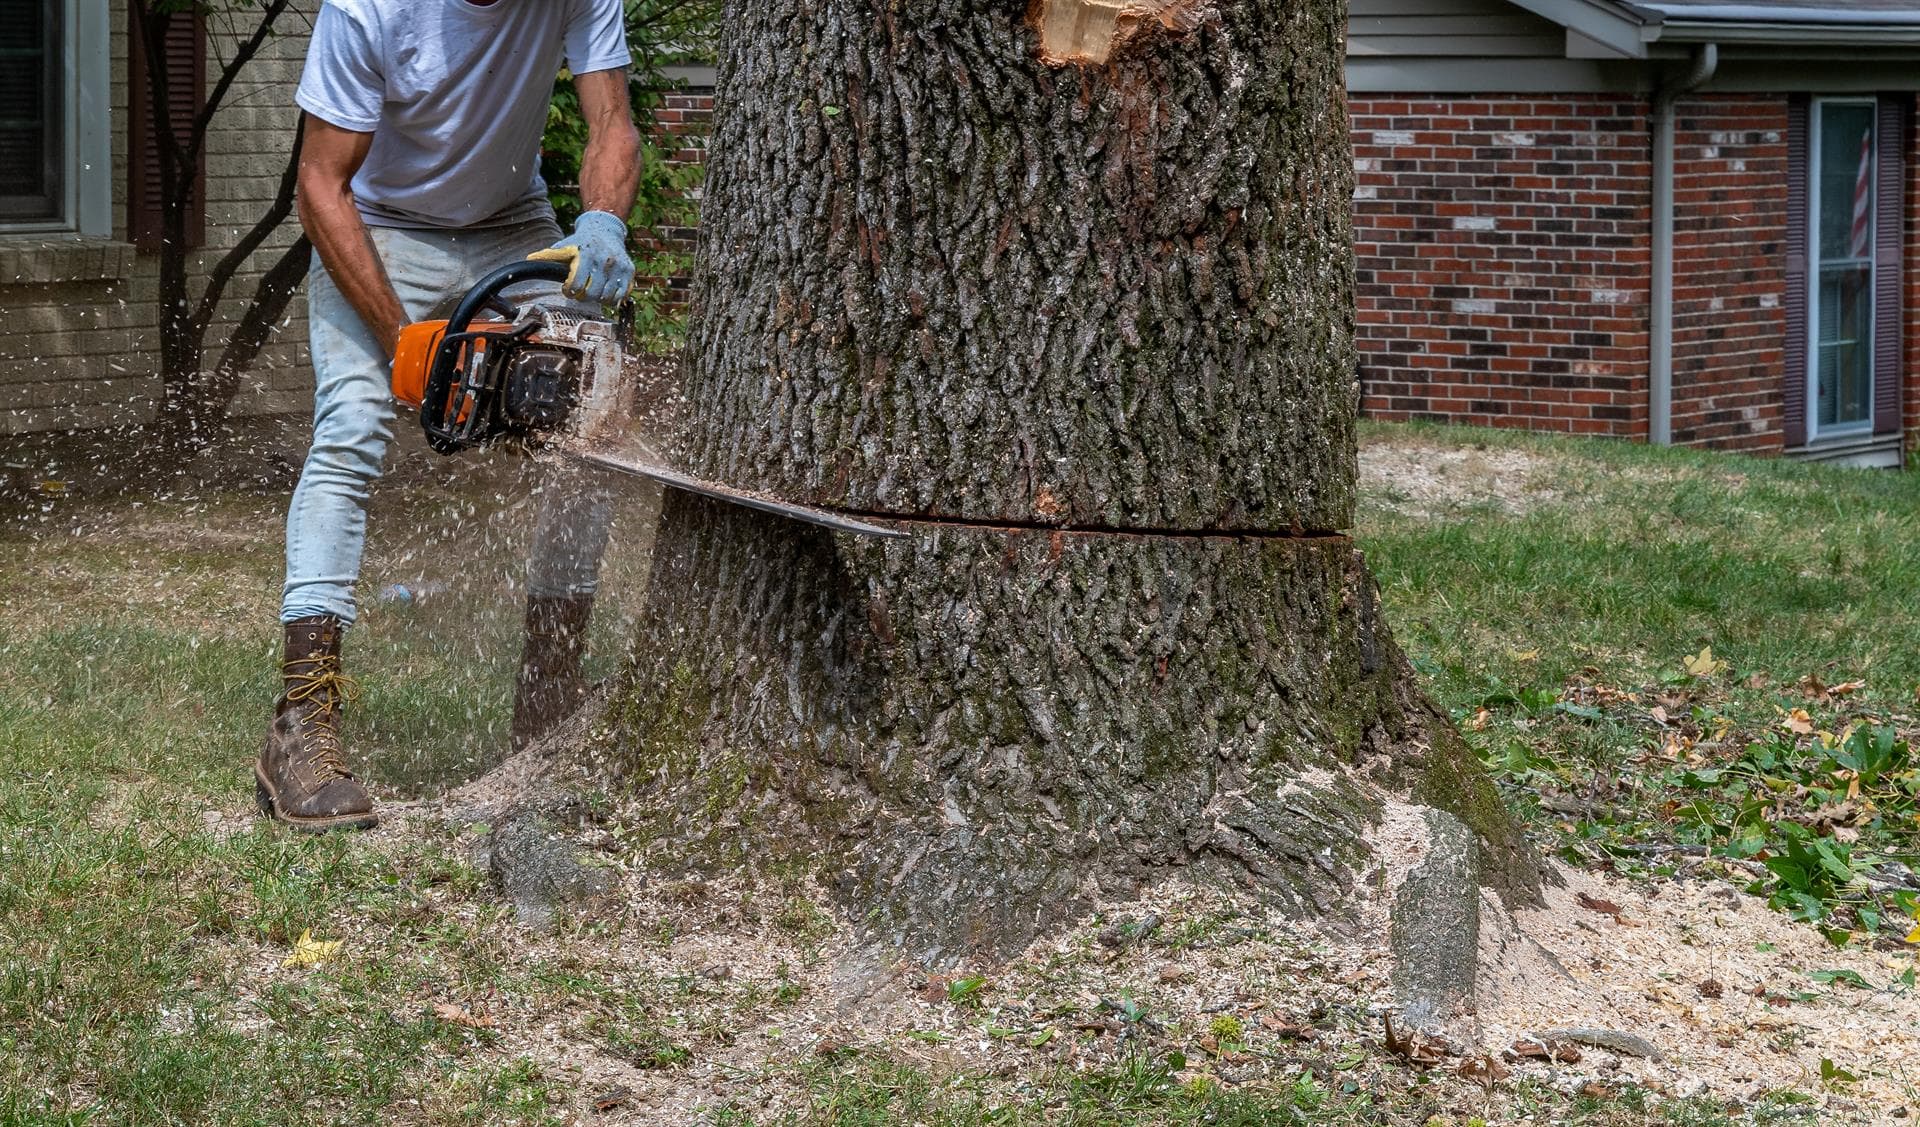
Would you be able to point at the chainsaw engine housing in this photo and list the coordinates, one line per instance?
(550, 375)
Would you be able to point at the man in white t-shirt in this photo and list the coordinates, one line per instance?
(419, 173)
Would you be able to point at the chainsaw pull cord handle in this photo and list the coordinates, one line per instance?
(437, 417)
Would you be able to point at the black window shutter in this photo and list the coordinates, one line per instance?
(1793, 410)
(184, 49)
(1889, 283)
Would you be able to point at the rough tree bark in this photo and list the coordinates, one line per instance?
(1067, 287)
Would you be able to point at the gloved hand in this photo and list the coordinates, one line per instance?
(597, 252)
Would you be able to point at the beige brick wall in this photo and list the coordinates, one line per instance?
(78, 324)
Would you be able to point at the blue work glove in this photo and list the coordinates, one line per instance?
(597, 252)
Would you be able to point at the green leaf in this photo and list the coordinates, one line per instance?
(1850, 977)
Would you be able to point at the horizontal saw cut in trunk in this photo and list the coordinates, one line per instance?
(1065, 296)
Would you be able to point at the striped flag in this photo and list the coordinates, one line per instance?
(1862, 243)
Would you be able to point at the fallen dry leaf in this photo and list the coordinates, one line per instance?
(1704, 664)
(1798, 722)
(1416, 1047)
(1484, 1070)
(460, 1015)
(1281, 1027)
(1595, 904)
(311, 952)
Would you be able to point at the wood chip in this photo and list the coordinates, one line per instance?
(459, 1015)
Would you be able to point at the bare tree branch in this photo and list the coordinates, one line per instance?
(228, 73)
(270, 300)
(223, 271)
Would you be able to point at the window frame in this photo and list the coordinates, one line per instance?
(54, 113)
(1815, 260)
(1893, 127)
(84, 87)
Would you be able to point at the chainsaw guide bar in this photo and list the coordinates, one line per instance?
(825, 518)
(554, 380)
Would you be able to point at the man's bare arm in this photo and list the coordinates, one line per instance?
(329, 157)
(610, 168)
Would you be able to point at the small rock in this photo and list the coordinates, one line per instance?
(537, 871)
(1631, 1044)
(1125, 933)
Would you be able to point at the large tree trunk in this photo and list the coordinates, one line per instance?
(1067, 286)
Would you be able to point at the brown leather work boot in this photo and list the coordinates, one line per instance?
(300, 777)
(550, 685)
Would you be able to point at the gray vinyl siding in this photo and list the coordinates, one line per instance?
(1450, 29)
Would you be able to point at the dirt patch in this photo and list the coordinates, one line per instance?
(1427, 480)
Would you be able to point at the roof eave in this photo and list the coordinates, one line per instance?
(1774, 34)
(1621, 26)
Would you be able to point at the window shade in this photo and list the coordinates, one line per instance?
(31, 124)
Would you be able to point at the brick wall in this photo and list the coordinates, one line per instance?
(1730, 217)
(1503, 248)
(77, 324)
(681, 125)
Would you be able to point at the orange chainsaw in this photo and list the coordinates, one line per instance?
(550, 380)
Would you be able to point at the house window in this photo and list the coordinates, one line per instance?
(56, 143)
(1846, 160)
(1841, 302)
(32, 138)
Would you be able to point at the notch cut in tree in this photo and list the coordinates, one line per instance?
(1087, 332)
(1088, 32)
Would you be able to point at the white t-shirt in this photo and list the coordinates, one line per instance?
(455, 95)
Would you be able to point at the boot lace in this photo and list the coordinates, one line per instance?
(323, 689)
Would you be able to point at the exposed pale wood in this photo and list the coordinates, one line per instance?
(1089, 31)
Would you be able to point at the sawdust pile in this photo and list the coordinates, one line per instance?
(1738, 999)
(748, 987)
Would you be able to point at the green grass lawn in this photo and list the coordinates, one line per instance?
(1549, 591)
(1564, 622)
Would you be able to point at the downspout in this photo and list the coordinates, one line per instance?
(1706, 59)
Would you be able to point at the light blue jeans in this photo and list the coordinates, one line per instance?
(353, 417)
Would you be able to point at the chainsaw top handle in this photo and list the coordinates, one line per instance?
(438, 417)
(491, 286)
